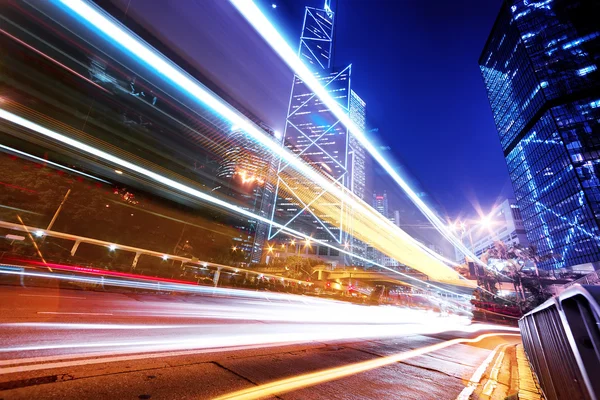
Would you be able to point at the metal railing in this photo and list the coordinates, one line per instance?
(562, 341)
(593, 278)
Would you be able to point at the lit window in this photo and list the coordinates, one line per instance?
(586, 70)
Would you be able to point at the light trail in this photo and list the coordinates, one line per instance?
(315, 378)
(43, 160)
(155, 284)
(269, 33)
(281, 308)
(51, 59)
(37, 249)
(8, 116)
(156, 61)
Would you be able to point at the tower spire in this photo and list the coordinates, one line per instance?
(327, 7)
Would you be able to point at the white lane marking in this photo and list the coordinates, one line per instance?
(37, 367)
(466, 393)
(50, 295)
(71, 313)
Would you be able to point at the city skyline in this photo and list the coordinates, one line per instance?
(320, 199)
(384, 84)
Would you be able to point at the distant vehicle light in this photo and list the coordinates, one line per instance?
(39, 233)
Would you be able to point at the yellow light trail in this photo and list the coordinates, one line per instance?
(315, 378)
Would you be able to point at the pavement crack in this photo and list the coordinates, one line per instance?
(218, 364)
(429, 369)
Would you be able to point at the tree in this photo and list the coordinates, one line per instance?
(514, 260)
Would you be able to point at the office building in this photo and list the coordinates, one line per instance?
(380, 203)
(540, 68)
(317, 136)
(244, 177)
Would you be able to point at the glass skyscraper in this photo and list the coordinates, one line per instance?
(540, 68)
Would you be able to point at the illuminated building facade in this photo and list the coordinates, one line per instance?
(318, 137)
(540, 66)
(245, 168)
(380, 203)
(357, 175)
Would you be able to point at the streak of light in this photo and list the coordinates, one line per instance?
(20, 210)
(8, 116)
(315, 378)
(10, 149)
(53, 60)
(227, 335)
(37, 249)
(263, 26)
(74, 313)
(176, 75)
(17, 187)
(81, 326)
(150, 283)
(48, 295)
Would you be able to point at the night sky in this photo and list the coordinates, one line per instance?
(414, 63)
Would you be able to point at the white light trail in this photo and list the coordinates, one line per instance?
(176, 185)
(287, 333)
(270, 34)
(43, 160)
(113, 30)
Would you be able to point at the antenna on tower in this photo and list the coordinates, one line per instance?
(327, 8)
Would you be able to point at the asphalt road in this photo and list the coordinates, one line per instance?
(76, 344)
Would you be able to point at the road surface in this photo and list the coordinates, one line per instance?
(77, 344)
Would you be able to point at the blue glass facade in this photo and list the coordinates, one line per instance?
(540, 67)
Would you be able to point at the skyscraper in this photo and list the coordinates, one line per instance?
(540, 68)
(380, 203)
(244, 177)
(318, 137)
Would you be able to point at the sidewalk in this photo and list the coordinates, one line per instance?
(505, 375)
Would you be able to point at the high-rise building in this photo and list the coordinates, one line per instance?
(356, 177)
(395, 218)
(540, 68)
(380, 203)
(243, 175)
(317, 136)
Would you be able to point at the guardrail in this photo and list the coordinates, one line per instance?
(593, 278)
(562, 341)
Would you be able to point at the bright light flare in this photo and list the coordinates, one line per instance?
(39, 233)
